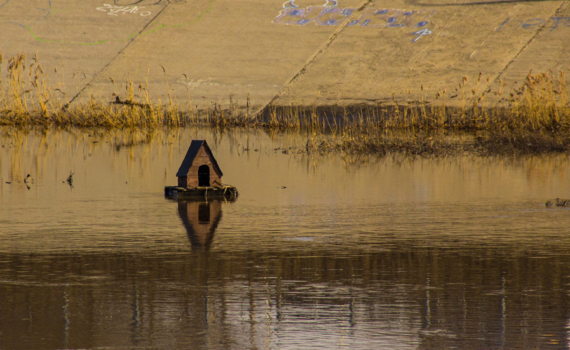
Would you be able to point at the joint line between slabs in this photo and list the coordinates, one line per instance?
(540, 30)
(113, 59)
(314, 57)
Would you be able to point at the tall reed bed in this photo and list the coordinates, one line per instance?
(540, 103)
(530, 117)
(533, 116)
(29, 98)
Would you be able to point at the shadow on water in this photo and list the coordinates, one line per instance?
(201, 218)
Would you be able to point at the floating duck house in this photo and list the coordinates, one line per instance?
(200, 175)
(199, 167)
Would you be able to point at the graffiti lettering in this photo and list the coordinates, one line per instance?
(533, 23)
(421, 33)
(334, 16)
(113, 10)
(147, 2)
(558, 19)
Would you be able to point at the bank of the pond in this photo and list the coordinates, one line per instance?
(349, 135)
(534, 117)
(443, 144)
(360, 133)
(353, 144)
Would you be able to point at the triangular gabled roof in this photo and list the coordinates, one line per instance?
(191, 154)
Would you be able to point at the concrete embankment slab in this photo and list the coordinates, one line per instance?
(300, 52)
(408, 45)
(547, 52)
(217, 51)
(206, 51)
(74, 40)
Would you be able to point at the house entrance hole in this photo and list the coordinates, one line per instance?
(204, 175)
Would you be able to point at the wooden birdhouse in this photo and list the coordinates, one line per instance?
(199, 168)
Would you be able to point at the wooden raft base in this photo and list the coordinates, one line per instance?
(227, 192)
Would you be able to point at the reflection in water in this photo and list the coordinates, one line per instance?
(395, 253)
(354, 299)
(200, 218)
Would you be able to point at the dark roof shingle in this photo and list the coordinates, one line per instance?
(191, 154)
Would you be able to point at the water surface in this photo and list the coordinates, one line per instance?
(319, 251)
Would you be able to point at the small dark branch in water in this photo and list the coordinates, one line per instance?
(70, 179)
(118, 101)
(559, 203)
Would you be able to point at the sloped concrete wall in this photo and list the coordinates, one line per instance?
(496, 39)
(301, 52)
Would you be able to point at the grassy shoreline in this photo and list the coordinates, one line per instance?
(532, 118)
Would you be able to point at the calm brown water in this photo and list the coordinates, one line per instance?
(376, 253)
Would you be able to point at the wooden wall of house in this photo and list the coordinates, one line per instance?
(183, 181)
(202, 159)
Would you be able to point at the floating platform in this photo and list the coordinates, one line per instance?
(227, 192)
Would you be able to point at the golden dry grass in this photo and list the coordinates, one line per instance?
(532, 117)
(27, 99)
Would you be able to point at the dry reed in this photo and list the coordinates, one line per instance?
(533, 117)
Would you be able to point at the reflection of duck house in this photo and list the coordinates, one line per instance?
(199, 175)
(200, 220)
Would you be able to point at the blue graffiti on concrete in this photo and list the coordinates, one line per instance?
(421, 33)
(534, 23)
(331, 15)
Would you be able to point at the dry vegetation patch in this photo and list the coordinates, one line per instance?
(532, 117)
